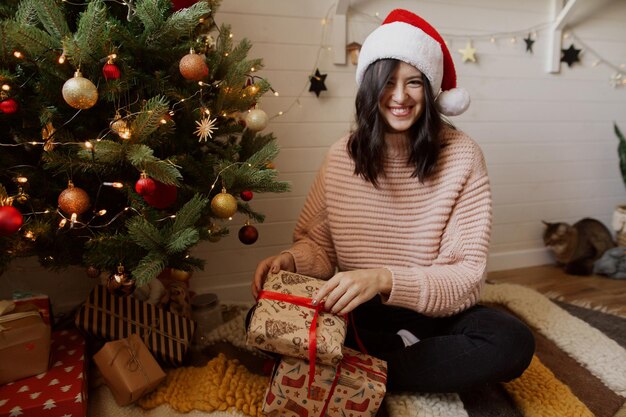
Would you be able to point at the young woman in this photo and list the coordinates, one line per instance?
(402, 209)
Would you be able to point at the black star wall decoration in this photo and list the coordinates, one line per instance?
(570, 55)
(317, 82)
(529, 43)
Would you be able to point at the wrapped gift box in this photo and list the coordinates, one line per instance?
(39, 302)
(111, 317)
(283, 318)
(24, 345)
(129, 369)
(355, 388)
(61, 391)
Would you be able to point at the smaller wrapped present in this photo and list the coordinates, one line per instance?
(355, 388)
(25, 301)
(129, 369)
(24, 345)
(62, 391)
(112, 317)
(284, 321)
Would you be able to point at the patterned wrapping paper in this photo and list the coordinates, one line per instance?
(62, 391)
(283, 327)
(355, 389)
(110, 317)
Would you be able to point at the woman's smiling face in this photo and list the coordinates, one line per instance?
(402, 101)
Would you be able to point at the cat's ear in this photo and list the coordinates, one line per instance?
(545, 223)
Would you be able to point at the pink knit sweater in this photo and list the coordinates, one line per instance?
(433, 237)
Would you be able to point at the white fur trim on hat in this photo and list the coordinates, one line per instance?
(453, 102)
(405, 42)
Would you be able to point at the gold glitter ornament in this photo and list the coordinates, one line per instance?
(193, 66)
(74, 200)
(224, 205)
(79, 92)
(256, 120)
(118, 124)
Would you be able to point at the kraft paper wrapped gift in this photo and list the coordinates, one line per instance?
(129, 369)
(283, 320)
(355, 388)
(112, 317)
(62, 391)
(24, 346)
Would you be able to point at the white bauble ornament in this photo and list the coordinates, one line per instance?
(256, 120)
(79, 92)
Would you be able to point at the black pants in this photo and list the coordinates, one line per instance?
(477, 346)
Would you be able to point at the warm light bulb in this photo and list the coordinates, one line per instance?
(88, 145)
(74, 217)
(492, 40)
(230, 35)
(280, 113)
(21, 180)
(163, 121)
(323, 21)
(6, 87)
(125, 134)
(102, 212)
(62, 59)
(62, 223)
(276, 93)
(18, 54)
(113, 184)
(252, 69)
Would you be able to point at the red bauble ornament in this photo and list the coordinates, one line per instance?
(182, 4)
(111, 71)
(248, 234)
(9, 106)
(145, 185)
(10, 220)
(246, 195)
(164, 196)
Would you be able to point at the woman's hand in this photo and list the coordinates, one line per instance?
(273, 264)
(347, 290)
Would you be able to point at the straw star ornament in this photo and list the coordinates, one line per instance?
(206, 127)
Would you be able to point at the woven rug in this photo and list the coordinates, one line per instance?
(579, 369)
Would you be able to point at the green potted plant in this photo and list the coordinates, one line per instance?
(619, 215)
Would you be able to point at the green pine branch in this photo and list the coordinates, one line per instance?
(34, 41)
(190, 213)
(145, 234)
(149, 120)
(179, 25)
(89, 42)
(182, 240)
(52, 18)
(151, 13)
(142, 157)
(26, 13)
(149, 268)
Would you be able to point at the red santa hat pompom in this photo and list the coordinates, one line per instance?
(407, 37)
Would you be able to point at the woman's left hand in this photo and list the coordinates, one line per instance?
(347, 290)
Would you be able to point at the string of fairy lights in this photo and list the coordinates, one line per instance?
(528, 34)
(118, 125)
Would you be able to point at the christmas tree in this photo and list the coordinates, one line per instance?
(128, 133)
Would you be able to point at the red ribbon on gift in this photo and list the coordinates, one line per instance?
(302, 302)
(356, 362)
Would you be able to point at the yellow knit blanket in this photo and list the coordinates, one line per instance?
(222, 384)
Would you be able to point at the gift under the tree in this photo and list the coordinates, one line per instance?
(24, 345)
(40, 302)
(285, 321)
(62, 391)
(112, 317)
(355, 388)
(128, 368)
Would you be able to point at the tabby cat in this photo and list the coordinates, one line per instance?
(578, 246)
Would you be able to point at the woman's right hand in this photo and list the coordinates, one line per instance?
(272, 264)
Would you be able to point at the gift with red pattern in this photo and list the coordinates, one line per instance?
(285, 321)
(355, 388)
(62, 391)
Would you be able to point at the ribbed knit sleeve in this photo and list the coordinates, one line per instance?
(313, 249)
(454, 279)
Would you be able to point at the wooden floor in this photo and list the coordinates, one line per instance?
(596, 290)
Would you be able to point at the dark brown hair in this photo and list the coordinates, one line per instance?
(366, 145)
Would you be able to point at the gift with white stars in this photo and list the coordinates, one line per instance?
(60, 392)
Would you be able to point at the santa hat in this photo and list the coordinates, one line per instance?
(409, 38)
